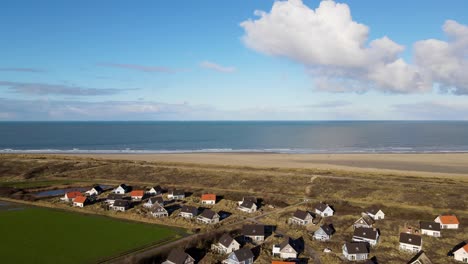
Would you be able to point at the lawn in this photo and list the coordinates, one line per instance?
(38, 235)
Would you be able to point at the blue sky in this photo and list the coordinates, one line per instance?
(217, 60)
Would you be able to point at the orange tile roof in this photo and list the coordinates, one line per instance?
(449, 220)
(282, 262)
(72, 195)
(208, 197)
(80, 199)
(137, 193)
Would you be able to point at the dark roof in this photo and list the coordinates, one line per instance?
(321, 206)
(207, 213)
(156, 199)
(157, 188)
(247, 204)
(120, 203)
(373, 209)
(253, 230)
(189, 209)
(178, 192)
(115, 196)
(250, 199)
(158, 209)
(421, 258)
(410, 239)
(366, 219)
(243, 254)
(328, 229)
(430, 226)
(357, 247)
(301, 214)
(288, 241)
(365, 232)
(226, 240)
(125, 187)
(178, 256)
(97, 188)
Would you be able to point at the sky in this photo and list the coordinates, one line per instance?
(233, 60)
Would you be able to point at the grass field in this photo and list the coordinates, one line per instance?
(38, 235)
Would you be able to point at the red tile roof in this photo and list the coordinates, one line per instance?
(465, 247)
(80, 199)
(71, 195)
(137, 193)
(208, 197)
(449, 220)
(282, 262)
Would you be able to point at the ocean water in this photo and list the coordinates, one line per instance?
(234, 136)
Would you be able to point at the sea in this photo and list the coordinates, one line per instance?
(235, 136)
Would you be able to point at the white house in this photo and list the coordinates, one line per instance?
(153, 201)
(364, 221)
(301, 218)
(208, 217)
(461, 254)
(368, 235)
(226, 245)
(178, 256)
(156, 190)
(287, 249)
(248, 199)
(254, 233)
(80, 201)
(241, 256)
(137, 195)
(420, 258)
(324, 210)
(70, 196)
(208, 198)
(188, 211)
(410, 242)
(356, 251)
(121, 189)
(447, 221)
(375, 212)
(112, 197)
(121, 205)
(430, 228)
(96, 190)
(324, 233)
(158, 211)
(176, 194)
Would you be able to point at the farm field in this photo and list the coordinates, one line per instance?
(39, 235)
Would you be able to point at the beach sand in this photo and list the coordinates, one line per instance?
(440, 164)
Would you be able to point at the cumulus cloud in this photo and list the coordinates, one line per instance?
(217, 67)
(137, 67)
(338, 54)
(57, 89)
(35, 70)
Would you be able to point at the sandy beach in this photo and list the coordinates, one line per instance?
(447, 164)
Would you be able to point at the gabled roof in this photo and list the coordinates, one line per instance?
(410, 239)
(137, 193)
(247, 204)
(366, 218)
(321, 206)
(357, 247)
(157, 209)
(98, 188)
(430, 226)
(253, 230)
(177, 192)
(80, 199)
(157, 188)
(207, 213)
(373, 209)
(178, 256)
(72, 195)
(449, 220)
(189, 209)
(226, 240)
(243, 254)
(121, 203)
(420, 258)
(114, 196)
(208, 197)
(301, 214)
(328, 229)
(252, 199)
(125, 187)
(156, 199)
(290, 242)
(365, 232)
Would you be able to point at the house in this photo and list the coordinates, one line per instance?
(461, 254)
(70, 196)
(226, 245)
(248, 207)
(364, 221)
(176, 194)
(420, 258)
(447, 221)
(112, 197)
(137, 195)
(248, 199)
(324, 233)
(254, 233)
(365, 234)
(286, 250)
(410, 242)
(96, 190)
(301, 218)
(80, 201)
(178, 256)
(430, 228)
(324, 210)
(122, 189)
(208, 217)
(375, 212)
(241, 256)
(356, 251)
(153, 201)
(156, 190)
(188, 211)
(121, 205)
(208, 198)
(158, 211)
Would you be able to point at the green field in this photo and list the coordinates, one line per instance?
(39, 235)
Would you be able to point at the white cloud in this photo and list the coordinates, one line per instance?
(217, 67)
(338, 54)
